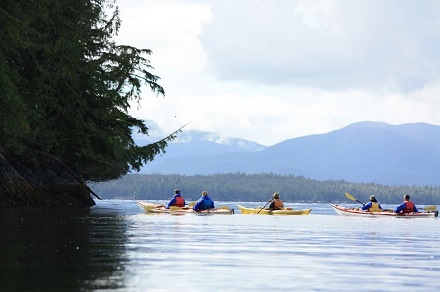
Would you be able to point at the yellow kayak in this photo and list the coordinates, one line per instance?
(285, 211)
(156, 208)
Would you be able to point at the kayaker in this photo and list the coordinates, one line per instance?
(177, 200)
(204, 203)
(372, 206)
(407, 206)
(276, 204)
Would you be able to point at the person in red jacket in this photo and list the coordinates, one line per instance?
(276, 204)
(407, 206)
(177, 200)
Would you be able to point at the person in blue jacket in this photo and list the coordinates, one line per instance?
(177, 200)
(373, 205)
(204, 203)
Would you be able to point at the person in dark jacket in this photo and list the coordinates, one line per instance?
(177, 200)
(407, 206)
(276, 204)
(372, 206)
(204, 203)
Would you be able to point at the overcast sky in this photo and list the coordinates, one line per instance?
(268, 71)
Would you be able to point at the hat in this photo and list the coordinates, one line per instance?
(373, 198)
(276, 196)
(177, 191)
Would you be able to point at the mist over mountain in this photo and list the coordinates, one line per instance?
(407, 154)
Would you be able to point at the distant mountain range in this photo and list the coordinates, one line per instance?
(369, 152)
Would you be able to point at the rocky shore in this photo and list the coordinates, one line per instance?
(39, 181)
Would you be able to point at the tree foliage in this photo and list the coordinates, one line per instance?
(67, 86)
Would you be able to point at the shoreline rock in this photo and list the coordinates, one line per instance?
(41, 180)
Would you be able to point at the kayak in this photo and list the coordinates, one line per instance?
(160, 209)
(285, 211)
(344, 211)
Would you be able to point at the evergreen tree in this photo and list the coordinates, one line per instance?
(67, 86)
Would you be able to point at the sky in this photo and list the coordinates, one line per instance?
(268, 71)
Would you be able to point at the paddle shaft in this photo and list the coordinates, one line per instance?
(265, 205)
(359, 202)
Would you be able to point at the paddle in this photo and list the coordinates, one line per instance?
(430, 208)
(148, 207)
(151, 207)
(224, 207)
(353, 198)
(175, 208)
(265, 205)
(192, 203)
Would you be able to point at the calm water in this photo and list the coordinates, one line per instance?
(115, 246)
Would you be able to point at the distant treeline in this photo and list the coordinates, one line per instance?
(258, 188)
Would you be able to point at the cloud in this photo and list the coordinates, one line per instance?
(170, 28)
(327, 44)
(268, 71)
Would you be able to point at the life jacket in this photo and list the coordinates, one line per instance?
(180, 202)
(374, 207)
(409, 207)
(278, 204)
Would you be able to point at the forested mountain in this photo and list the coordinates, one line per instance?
(364, 152)
(258, 188)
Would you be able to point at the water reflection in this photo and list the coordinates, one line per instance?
(67, 249)
(116, 246)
